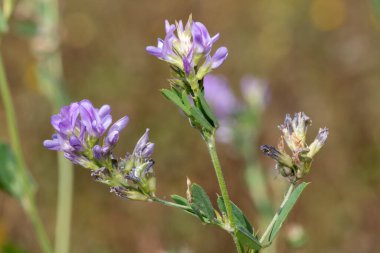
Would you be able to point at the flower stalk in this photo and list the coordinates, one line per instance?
(275, 217)
(50, 78)
(27, 201)
(223, 189)
(219, 174)
(170, 204)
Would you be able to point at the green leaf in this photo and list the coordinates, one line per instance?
(200, 119)
(11, 181)
(185, 100)
(206, 108)
(286, 210)
(174, 98)
(179, 200)
(247, 239)
(239, 216)
(198, 213)
(201, 202)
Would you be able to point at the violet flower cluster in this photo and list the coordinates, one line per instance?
(188, 51)
(86, 137)
(229, 109)
(298, 164)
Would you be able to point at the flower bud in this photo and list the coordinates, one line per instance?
(318, 143)
(282, 158)
(294, 130)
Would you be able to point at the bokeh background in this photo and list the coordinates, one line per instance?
(318, 56)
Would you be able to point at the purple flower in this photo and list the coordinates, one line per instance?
(188, 48)
(144, 148)
(224, 104)
(219, 95)
(164, 50)
(213, 62)
(202, 38)
(80, 127)
(96, 121)
(255, 91)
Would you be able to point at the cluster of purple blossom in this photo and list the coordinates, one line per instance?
(227, 106)
(79, 129)
(188, 49)
(86, 137)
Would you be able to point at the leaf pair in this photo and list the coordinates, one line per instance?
(244, 230)
(201, 207)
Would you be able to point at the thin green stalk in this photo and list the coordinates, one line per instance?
(257, 185)
(27, 202)
(63, 220)
(10, 116)
(31, 209)
(254, 176)
(258, 189)
(7, 8)
(223, 188)
(171, 204)
(219, 174)
(275, 217)
(187, 208)
(50, 76)
(239, 248)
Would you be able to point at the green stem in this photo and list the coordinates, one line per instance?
(275, 217)
(219, 174)
(29, 205)
(50, 77)
(171, 204)
(239, 248)
(63, 220)
(10, 116)
(257, 185)
(258, 189)
(7, 8)
(28, 202)
(223, 188)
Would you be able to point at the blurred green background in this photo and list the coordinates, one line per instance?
(319, 56)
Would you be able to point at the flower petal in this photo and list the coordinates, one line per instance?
(219, 57)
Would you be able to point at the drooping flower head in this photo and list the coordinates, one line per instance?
(188, 49)
(80, 128)
(296, 165)
(131, 177)
(86, 137)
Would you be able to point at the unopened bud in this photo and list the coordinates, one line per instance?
(319, 141)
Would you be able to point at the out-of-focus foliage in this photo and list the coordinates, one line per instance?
(10, 248)
(12, 179)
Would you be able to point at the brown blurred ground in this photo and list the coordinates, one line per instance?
(319, 56)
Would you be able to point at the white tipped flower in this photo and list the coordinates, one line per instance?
(319, 141)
